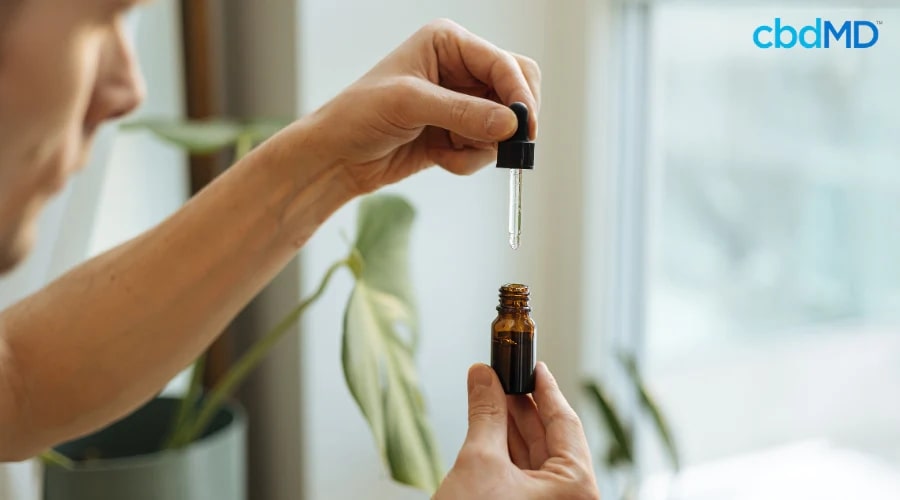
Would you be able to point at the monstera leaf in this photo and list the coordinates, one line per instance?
(380, 333)
(207, 136)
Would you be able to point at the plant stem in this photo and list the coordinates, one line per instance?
(188, 406)
(250, 359)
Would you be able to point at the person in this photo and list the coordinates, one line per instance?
(106, 336)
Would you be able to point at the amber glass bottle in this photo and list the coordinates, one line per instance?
(513, 341)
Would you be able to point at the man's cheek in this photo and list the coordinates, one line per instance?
(64, 157)
(55, 77)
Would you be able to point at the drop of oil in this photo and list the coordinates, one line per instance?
(514, 241)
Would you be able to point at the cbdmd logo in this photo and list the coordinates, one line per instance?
(855, 34)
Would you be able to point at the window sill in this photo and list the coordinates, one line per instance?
(807, 470)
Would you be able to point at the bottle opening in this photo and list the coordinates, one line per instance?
(513, 289)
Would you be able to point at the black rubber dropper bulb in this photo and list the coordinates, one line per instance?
(517, 151)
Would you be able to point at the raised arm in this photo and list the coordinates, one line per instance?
(109, 334)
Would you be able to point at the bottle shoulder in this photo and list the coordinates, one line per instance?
(513, 322)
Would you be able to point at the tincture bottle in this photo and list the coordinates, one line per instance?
(513, 341)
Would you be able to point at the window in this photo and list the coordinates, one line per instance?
(772, 180)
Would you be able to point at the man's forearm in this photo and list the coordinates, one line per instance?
(110, 333)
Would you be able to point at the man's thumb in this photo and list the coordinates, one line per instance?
(473, 117)
(487, 409)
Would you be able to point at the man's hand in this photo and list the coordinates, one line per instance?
(440, 98)
(520, 447)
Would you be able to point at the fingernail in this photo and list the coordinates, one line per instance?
(480, 376)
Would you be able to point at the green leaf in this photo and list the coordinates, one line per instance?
(613, 422)
(207, 136)
(615, 457)
(261, 129)
(649, 403)
(378, 358)
(52, 457)
(192, 136)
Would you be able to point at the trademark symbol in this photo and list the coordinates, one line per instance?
(879, 22)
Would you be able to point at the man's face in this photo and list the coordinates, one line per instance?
(65, 68)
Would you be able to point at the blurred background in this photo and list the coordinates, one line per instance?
(726, 216)
(772, 279)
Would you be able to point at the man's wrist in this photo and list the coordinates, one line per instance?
(306, 183)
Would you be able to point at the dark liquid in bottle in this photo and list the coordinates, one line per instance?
(512, 357)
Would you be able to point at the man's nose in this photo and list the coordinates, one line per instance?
(119, 87)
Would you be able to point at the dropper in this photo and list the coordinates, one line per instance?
(516, 154)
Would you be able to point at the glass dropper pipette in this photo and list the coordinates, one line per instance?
(516, 154)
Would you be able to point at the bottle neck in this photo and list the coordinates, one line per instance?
(514, 299)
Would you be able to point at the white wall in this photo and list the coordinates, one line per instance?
(459, 248)
(130, 184)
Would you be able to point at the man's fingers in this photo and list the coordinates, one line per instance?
(496, 68)
(459, 142)
(487, 411)
(474, 118)
(518, 450)
(465, 161)
(492, 66)
(528, 422)
(565, 435)
(532, 73)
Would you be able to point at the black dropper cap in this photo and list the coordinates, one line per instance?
(517, 151)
